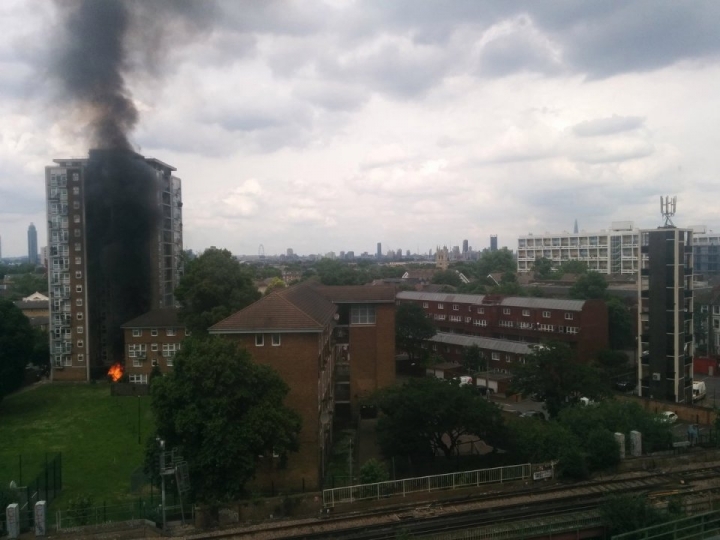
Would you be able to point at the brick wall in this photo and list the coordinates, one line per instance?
(147, 338)
(296, 361)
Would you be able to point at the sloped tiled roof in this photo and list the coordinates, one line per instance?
(157, 318)
(504, 345)
(33, 304)
(510, 301)
(297, 309)
(350, 294)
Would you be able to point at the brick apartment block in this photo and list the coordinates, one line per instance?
(582, 324)
(332, 346)
(152, 339)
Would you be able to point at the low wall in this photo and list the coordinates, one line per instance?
(688, 413)
(129, 389)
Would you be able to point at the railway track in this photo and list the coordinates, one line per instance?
(465, 512)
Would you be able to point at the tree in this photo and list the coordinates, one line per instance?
(501, 260)
(447, 277)
(628, 513)
(589, 286)
(428, 414)
(373, 471)
(223, 411)
(473, 359)
(620, 327)
(16, 347)
(554, 375)
(215, 286)
(275, 284)
(538, 442)
(603, 450)
(612, 363)
(543, 267)
(573, 267)
(412, 327)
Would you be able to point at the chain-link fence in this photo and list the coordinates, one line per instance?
(46, 486)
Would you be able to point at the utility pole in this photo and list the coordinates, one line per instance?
(162, 478)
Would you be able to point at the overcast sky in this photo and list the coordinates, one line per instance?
(329, 126)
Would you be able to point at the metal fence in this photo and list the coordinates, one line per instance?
(46, 486)
(67, 520)
(691, 528)
(401, 488)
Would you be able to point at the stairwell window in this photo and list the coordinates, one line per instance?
(362, 314)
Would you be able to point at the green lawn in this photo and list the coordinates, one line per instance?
(97, 435)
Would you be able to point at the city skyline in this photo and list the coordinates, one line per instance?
(413, 126)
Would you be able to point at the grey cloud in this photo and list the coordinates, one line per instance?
(516, 53)
(607, 126)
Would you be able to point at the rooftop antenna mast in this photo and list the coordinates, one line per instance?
(667, 209)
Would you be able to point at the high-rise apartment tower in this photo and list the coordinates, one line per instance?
(665, 314)
(114, 253)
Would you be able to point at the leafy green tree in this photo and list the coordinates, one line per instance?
(602, 449)
(553, 374)
(474, 287)
(223, 411)
(274, 285)
(447, 277)
(41, 349)
(538, 442)
(627, 513)
(589, 286)
(373, 471)
(572, 463)
(502, 260)
(25, 284)
(543, 267)
(573, 267)
(412, 327)
(620, 326)
(616, 416)
(612, 363)
(430, 413)
(16, 347)
(215, 286)
(473, 359)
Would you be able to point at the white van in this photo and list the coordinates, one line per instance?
(698, 390)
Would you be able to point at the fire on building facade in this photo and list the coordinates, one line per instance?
(115, 244)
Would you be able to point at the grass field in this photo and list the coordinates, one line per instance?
(97, 435)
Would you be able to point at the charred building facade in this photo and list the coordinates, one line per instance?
(115, 245)
(665, 325)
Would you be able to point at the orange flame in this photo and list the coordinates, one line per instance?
(115, 372)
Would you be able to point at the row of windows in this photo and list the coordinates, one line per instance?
(506, 311)
(138, 332)
(155, 362)
(275, 340)
(139, 350)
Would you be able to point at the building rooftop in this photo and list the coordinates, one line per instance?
(34, 304)
(504, 345)
(353, 294)
(297, 309)
(157, 318)
(481, 299)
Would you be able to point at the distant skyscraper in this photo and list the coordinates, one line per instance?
(575, 228)
(493, 242)
(379, 250)
(465, 246)
(32, 245)
(290, 252)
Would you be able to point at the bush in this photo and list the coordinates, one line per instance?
(373, 471)
(603, 450)
(79, 510)
(572, 463)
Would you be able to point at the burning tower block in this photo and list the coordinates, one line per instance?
(115, 245)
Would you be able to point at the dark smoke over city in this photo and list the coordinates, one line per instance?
(122, 213)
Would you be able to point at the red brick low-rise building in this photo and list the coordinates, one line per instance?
(152, 339)
(332, 346)
(582, 324)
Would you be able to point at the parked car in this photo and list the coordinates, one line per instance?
(533, 414)
(668, 417)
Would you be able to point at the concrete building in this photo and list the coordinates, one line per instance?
(378, 253)
(665, 317)
(493, 242)
(465, 247)
(152, 339)
(332, 346)
(115, 245)
(706, 251)
(612, 251)
(32, 245)
(582, 324)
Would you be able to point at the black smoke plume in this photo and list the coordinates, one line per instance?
(90, 67)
